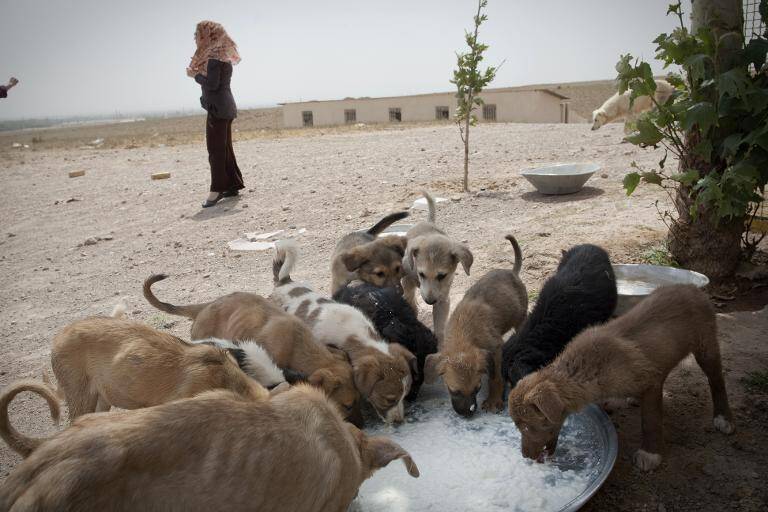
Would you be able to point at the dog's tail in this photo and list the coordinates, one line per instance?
(386, 222)
(518, 254)
(286, 255)
(16, 440)
(430, 205)
(189, 311)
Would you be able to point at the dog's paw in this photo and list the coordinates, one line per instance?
(723, 425)
(493, 405)
(646, 461)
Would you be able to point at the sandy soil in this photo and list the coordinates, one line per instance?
(331, 183)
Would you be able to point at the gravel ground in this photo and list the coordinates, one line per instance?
(73, 247)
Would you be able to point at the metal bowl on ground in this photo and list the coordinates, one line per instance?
(560, 178)
(634, 282)
(396, 230)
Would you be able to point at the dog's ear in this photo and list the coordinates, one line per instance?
(324, 380)
(366, 374)
(395, 243)
(407, 356)
(544, 397)
(379, 451)
(354, 258)
(434, 366)
(411, 253)
(462, 253)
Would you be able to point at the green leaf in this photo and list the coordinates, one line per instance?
(701, 115)
(651, 177)
(732, 83)
(686, 178)
(731, 144)
(647, 134)
(756, 51)
(703, 150)
(697, 66)
(631, 181)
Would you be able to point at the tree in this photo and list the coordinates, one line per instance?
(470, 81)
(715, 123)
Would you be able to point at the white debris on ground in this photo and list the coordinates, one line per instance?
(421, 203)
(476, 464)
(259, 241)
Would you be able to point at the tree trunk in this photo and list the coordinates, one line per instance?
(466, 155)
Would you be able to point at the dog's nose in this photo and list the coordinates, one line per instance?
(464, 406)
(430, 301)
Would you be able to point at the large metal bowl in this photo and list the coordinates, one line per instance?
(634, 282)
(560, 178)
(396, 230)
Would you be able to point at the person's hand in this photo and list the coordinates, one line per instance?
(13, 81)
(191, 73)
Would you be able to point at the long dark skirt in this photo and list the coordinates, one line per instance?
(225, 174)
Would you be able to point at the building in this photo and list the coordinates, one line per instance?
(510, 104)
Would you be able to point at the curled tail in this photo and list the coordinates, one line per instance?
(430, 205)
(16, 440)
(386, 222)
(286, 254)
(518, 254)
(189, 311)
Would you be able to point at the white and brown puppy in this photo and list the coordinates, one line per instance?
(216, 451)
(102, 362)
(629, 356)
(382, 371)
(377, 261)
(474, 337)
(430, 262)
(243, 317)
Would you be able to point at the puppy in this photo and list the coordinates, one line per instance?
(581, 293)
(382, 371)
(395, 320)
(288, 341)
(474, 336)
(617, 106)
(293, 452)
(628, 356)
(360, 255)
(101, 362)
(429, 264)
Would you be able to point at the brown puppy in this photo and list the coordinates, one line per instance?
(430, 262)
(213, 452)
(629, 356)
(289, 342)
(360, 255)
(102, 362)
(493, 305)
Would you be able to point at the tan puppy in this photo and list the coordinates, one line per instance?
(360, 255)
(629, 356)
(493, 305)
(382, 371)
(102, 362)
(249, 317)
(429, 264)
(214, 452)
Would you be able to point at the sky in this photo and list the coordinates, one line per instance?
(87, 57)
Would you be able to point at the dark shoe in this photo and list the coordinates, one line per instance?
(209, 203)
(230, 193)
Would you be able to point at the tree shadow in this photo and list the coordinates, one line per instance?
(581, 195)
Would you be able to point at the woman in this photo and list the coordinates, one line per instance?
(211, 67)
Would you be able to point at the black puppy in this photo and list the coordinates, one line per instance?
(580, 294)
(394, 319)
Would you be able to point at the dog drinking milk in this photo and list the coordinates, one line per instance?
(629, 356)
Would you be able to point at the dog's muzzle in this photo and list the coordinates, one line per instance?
(464, 405)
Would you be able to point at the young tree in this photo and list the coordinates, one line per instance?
(470, 81)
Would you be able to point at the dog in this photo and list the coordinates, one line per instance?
(219, 450)
(582, 292)
(492, 306)
(395, 320)
(628, 356)
(430, 262)
(100, 362)
(246, 317)
(360, 255)
(617, 106)
(382, 371)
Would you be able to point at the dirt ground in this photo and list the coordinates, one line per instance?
(73, 247)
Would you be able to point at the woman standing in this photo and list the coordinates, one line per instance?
(211, 67)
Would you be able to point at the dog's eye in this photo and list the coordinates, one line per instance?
(421, 275)
(380, 274)
(397, 269)
(440, 277)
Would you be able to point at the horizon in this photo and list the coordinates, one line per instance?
(355, 51)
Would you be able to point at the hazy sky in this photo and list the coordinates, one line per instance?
(92, 57)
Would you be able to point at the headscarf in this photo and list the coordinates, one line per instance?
(213, 43)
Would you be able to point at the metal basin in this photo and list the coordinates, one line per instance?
(396, 230)
(560, 178)
(635, 281)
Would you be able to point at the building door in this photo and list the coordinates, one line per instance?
(307, 118)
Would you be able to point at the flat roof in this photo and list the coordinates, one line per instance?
(524, 88)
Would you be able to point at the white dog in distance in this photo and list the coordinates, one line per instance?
(617, 106)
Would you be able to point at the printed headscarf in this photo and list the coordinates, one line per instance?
(213, 42)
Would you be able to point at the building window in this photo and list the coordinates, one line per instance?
(442, 113)
(489, 112)
(306, 118)
(395, 116)
(350, 115)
